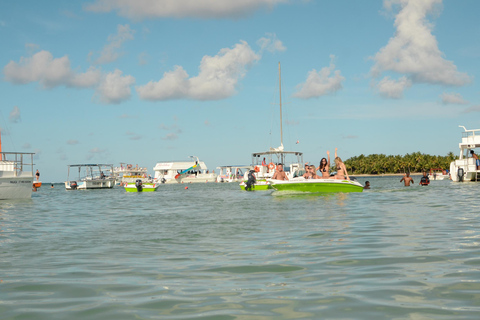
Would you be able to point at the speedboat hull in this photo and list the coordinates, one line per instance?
(145, 187)
(317, 185)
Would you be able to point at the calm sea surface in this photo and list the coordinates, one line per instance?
(214, 252)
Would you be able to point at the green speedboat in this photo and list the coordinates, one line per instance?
(140, 186)
(260, 185)
(316, 185)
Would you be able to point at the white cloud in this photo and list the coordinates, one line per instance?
(94, 152)
(85, 80)
(133, 135)
(472, 109)
(413, 50)
(390, 88)
(15, 115)
(142, 9)
(452, 98)
(173, 85)
(170, 136)
(217, 79)
(320, 83)
(49, 72)
(270, 43)
(110, 52)
(115, 88)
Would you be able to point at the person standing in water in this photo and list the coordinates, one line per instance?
(425, 181)
(407, 179)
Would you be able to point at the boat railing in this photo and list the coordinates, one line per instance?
(21, 163)
(470, 137)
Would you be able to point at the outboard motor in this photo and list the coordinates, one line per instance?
(73, 185)
(249, 185)
(460, 174)
(138, 185)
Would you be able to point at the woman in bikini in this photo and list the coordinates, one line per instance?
(324, 167)
(340, 167)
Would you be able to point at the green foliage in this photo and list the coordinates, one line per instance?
(411, 162)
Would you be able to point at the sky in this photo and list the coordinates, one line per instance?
(144, 81)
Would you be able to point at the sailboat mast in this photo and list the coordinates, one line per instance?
(280, 90)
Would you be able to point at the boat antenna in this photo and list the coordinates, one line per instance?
(280, 90)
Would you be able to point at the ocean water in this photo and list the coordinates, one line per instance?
(214, 252)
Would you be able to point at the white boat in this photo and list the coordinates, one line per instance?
(232, 173)
(265, 163)
(194, 171)
(465, 168)
(90, 176)
(16, 175)
(438, 174)
(127, 174)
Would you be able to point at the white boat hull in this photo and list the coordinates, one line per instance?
(464, 170)
(91, 184)
(15, 188)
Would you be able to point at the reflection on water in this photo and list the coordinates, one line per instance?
(215, 252)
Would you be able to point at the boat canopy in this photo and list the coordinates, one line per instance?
(470, 140)
(181, 165)
(91, 165)
(276, 156)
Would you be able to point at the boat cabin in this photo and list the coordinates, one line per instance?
(466, 167)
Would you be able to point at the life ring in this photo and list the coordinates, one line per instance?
(271, 166)
(257, 169)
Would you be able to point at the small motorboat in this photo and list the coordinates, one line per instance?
(141, 186)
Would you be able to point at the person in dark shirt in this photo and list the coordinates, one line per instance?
(424, 181)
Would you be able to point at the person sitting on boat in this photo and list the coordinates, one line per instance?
(264, 163)
(279, 173)
(307, 174)
(340, 167)
(313, 172)
(324, 167)
(424, 181)
(477, 161)
(102, 175)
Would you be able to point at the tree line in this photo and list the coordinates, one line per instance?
(411, 162)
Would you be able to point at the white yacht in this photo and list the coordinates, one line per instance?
(127, 173)
(194, 171)
(16, 175)
(465, 168)
(90, 176)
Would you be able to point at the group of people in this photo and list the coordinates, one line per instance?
(407, 180)
(324, 168)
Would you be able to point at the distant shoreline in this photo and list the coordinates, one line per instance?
(386, 174)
